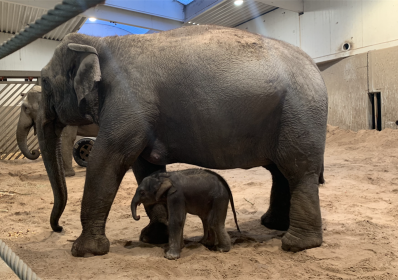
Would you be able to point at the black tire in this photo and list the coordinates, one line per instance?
(81, 151)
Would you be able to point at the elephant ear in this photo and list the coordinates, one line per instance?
(165, 186)
(88, 70)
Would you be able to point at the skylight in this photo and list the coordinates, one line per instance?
(185, 2)
(101, 28)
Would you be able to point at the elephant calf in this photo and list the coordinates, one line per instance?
(194, 191)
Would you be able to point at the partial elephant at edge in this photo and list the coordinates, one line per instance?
(30, 109)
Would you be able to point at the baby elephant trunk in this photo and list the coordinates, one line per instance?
(134, 203)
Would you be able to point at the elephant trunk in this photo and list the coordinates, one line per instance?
(50, 146)
(25, 123)
(134, 203)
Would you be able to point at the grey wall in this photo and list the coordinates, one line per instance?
(349, 80)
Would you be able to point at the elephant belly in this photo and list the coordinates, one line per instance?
(216, 157)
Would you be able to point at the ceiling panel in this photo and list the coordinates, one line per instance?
(14, 17)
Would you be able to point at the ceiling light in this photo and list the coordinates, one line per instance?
(189, 22)
(193, 23)
(238, 2)
(92, 19)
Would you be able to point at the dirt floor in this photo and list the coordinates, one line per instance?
(359, 203)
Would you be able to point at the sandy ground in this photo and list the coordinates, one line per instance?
(359, 203)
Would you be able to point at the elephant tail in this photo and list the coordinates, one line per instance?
(231, 199)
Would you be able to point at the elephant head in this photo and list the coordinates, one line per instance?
(151, 191)
(27, 119)
(69, 86)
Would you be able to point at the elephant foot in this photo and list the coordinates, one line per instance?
(69, 173)
(224, 248)
(298, 240)
(278, 222)
(89, 245)
(155, 233)
(172, 255)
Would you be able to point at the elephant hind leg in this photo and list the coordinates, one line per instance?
(277, 216)
(305, 230)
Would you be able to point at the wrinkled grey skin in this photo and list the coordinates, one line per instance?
(210, 96)
(28, 119)
(198, 192)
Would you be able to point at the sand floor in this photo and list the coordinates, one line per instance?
(359, 203)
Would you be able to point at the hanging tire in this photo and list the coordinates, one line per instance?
(81, 151)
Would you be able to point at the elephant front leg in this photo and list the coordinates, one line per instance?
(68, 138)
(177, 218)
(105, 172)
(156, 232)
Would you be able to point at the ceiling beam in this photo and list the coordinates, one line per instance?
(132, 18)
(290, 5)
(150, 14)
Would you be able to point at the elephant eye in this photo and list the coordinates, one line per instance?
(142, 192)
(45, 83)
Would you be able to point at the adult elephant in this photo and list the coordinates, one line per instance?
(28, 119)
(211, 96)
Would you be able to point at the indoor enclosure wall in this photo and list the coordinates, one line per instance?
(363, 89)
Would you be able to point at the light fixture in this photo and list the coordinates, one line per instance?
(92, 19)
(193, 23)
(238, 2)
(189, 22)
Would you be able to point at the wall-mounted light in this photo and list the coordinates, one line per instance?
(92, 19)
(238, 2)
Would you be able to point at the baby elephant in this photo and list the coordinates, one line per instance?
(194, 191)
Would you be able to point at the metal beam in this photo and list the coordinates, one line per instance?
(290, 5)
(132, 18)
(19, 74)
(170, 9)
(44, 4)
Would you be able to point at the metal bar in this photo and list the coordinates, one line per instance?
(19, 74)
(55, 17)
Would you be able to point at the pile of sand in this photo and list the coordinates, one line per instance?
(359, 203)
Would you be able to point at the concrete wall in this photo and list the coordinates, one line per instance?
(32, 57)
(326, 25)
(349, 80)
(383, 78)
(347, 84)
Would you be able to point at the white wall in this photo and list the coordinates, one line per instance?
(327, 24)
(33, 57)
(279, 24)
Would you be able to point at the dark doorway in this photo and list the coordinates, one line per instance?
(375, 110)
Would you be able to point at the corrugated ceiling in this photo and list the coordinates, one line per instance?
(228, 14)
(14, 17)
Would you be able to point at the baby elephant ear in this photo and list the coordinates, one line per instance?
(165, 186)
(88, 71)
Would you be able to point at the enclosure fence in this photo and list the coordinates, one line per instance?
(11, 97)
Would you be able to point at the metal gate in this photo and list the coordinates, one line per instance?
(11, 97)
